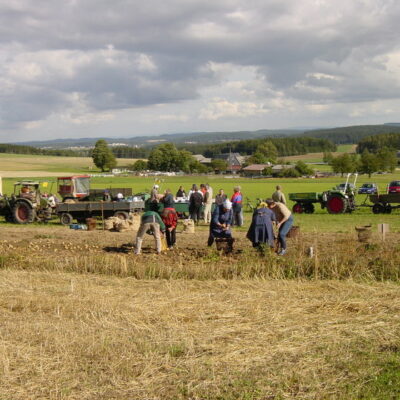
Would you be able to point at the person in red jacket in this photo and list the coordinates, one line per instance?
(237, 200)
(170, 219)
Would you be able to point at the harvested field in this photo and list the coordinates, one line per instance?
(84, 318)
(337, 256)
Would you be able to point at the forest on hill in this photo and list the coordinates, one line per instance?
(351, 134)
(21, 149)
(288, 146)
(377, 142)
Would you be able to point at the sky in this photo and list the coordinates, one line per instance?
(124, 68)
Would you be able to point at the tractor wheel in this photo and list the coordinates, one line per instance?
(336, 204)
(298, 208)
(378, 208)
(309, 208)
(121, 215)
(388, 209)
(23, 213)
(66, 218)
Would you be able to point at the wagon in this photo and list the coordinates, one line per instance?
(304, 202)
(383, 203)
(88, 209)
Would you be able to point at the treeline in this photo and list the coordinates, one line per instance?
(18, 149)
(351, 134)
(290, 146)
(374, 143)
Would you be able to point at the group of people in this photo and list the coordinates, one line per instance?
(227, 212)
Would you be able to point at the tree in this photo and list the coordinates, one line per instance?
(219, 165)
(166, 157)
(303, 168)
(103, 157)
(257, 158)
(328, 157)
(387, 159)
(345, 163)
(268, 150)
(369, 163)
(139, 165)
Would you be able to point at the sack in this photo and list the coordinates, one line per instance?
(188, 226)
(164, 246)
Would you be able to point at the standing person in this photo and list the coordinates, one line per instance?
(154, 198)
(261, 230)
(220, 197)
(181, 192)
(221, 220)
(237, 200)
(284, 220)
(168, 199)
(278, 195)
(150, 221)
(170, 219)
(195, 203)
(208, 200)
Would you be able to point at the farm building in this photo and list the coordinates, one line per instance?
(255, 169)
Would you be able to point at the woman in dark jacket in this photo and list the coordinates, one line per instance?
(261, 230)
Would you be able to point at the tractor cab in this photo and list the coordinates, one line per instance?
(75, 187)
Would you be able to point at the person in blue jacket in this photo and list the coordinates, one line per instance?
(261, 230)
(221, 220)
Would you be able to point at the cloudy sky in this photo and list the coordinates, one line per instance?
(122, 68)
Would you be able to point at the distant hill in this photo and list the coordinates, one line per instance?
(352, 134)
(176, 138)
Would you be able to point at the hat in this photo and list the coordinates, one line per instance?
(227, 204)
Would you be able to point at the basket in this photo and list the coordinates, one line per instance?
(364, 233)
(224, 244)
(91, 224)
(293, 232)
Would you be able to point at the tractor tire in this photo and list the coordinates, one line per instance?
(298, 208)
(388, 209)
(378, 208)
(309, 208)
(66, 219)
(121, 214)
(23, 213)
(336, 204)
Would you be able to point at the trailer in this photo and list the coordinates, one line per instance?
(81, 210)
(383, 203)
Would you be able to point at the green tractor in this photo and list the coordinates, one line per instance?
(339, 200)
(26, 204)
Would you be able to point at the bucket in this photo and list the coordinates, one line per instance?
(364, 233)
(224, 244)
(91, 224)
(293, 232)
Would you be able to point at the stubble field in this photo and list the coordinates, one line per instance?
(84, 318)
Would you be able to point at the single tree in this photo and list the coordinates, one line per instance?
(139, 165)
(369, 163)
(103, 157)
